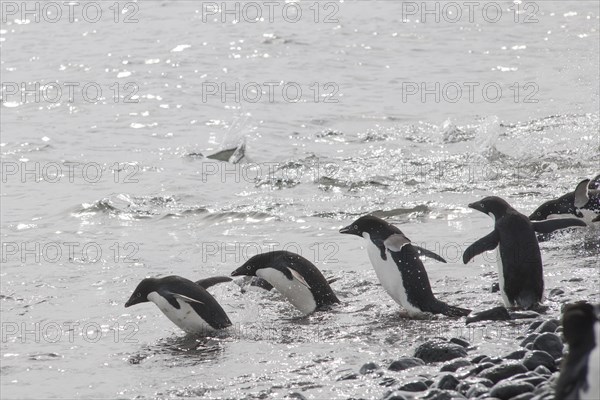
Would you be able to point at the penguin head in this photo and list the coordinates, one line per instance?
(255, 263)
(375, 227)
(492, 205)
(141, 292)
(578, 322)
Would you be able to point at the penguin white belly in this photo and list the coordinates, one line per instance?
(185, 317)
(295, 291)
(390, 277)
(593, 390)
(500, 267)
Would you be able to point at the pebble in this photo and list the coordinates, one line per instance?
(405, 363)
(529, 339)
(477, 390)
(506, 390)
(394, 396)
(536, 358)
(477, 359)
(415, 386)
(387, 381)
(550, 343)
(438, 394)
(503, 371)
(453, 365)
(446, 382)
(348, 376)
(547, 326)
(523, 396)
(556, 292)
(436, 351)
(494, 314)
(541, 370)
(516, 355)
(460, 342)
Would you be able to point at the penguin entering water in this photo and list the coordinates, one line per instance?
(583, 202)
(296, 278)
(519, 260)
(187, 304)
(398, 266)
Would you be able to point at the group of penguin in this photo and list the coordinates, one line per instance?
(398, 267)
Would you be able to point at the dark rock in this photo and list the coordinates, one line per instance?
(556, 292)
(516, 355)
(435, 351)
(447, 382)
(477, 359)
(368, 368)
(550, 343)
(536, 358)
(548, 326)
(481, 367)
(534, 380)
(503, 371)
(415, 386)
(460, 342)
(452, 366)
(523, 396)
(429, 382)
(541, 370)
(529, 346)
(507, 389)
(387, 381)
(405, 363)
(494, 314)
(495, 287)
(485, 360)
(296, 395)
(534, 325)
(464, 386)
(348, 376)
(438, 394)
(529, 339)
(477, 390)
(394, 396)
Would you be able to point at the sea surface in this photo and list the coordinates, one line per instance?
(346, 108)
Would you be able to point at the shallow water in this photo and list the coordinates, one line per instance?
(119, 190)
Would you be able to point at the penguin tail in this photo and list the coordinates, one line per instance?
(451, 311)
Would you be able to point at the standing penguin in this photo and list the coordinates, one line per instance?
(580, 369)
(187, 304)
(296, 278)
(519, 260)
(398, 266)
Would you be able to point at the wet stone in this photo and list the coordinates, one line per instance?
(556, 292)
(368, 368)
(506, 390)
(534, 325)
(550, 343)
(447, 382)
(537, 358)
(503, 371)
(387, 382)
(541, 370)
(405, 363)
(348, 376)
(436, 351)
(477, 390)
(415, 386)
(460, 342)
(438, 394)
(516, 355)
(547, 326)
(452, 366)
(523, 396)
(529, 339)
(482, 367)
(477, 359)
(394, 396)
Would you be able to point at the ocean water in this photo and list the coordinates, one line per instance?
(406, 110)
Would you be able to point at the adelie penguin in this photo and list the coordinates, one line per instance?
(583, 202)
(519, 260)
(296, 278)
(398, 266)
(580, 369)
(187, 304)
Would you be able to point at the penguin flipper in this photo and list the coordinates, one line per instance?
(208, 282)
(428, 253)
(486, 243)
(551, 225)
(581, 193)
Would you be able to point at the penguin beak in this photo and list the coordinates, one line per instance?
(133, 300)
(477, 206)
(242, 271)
(349, 230)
